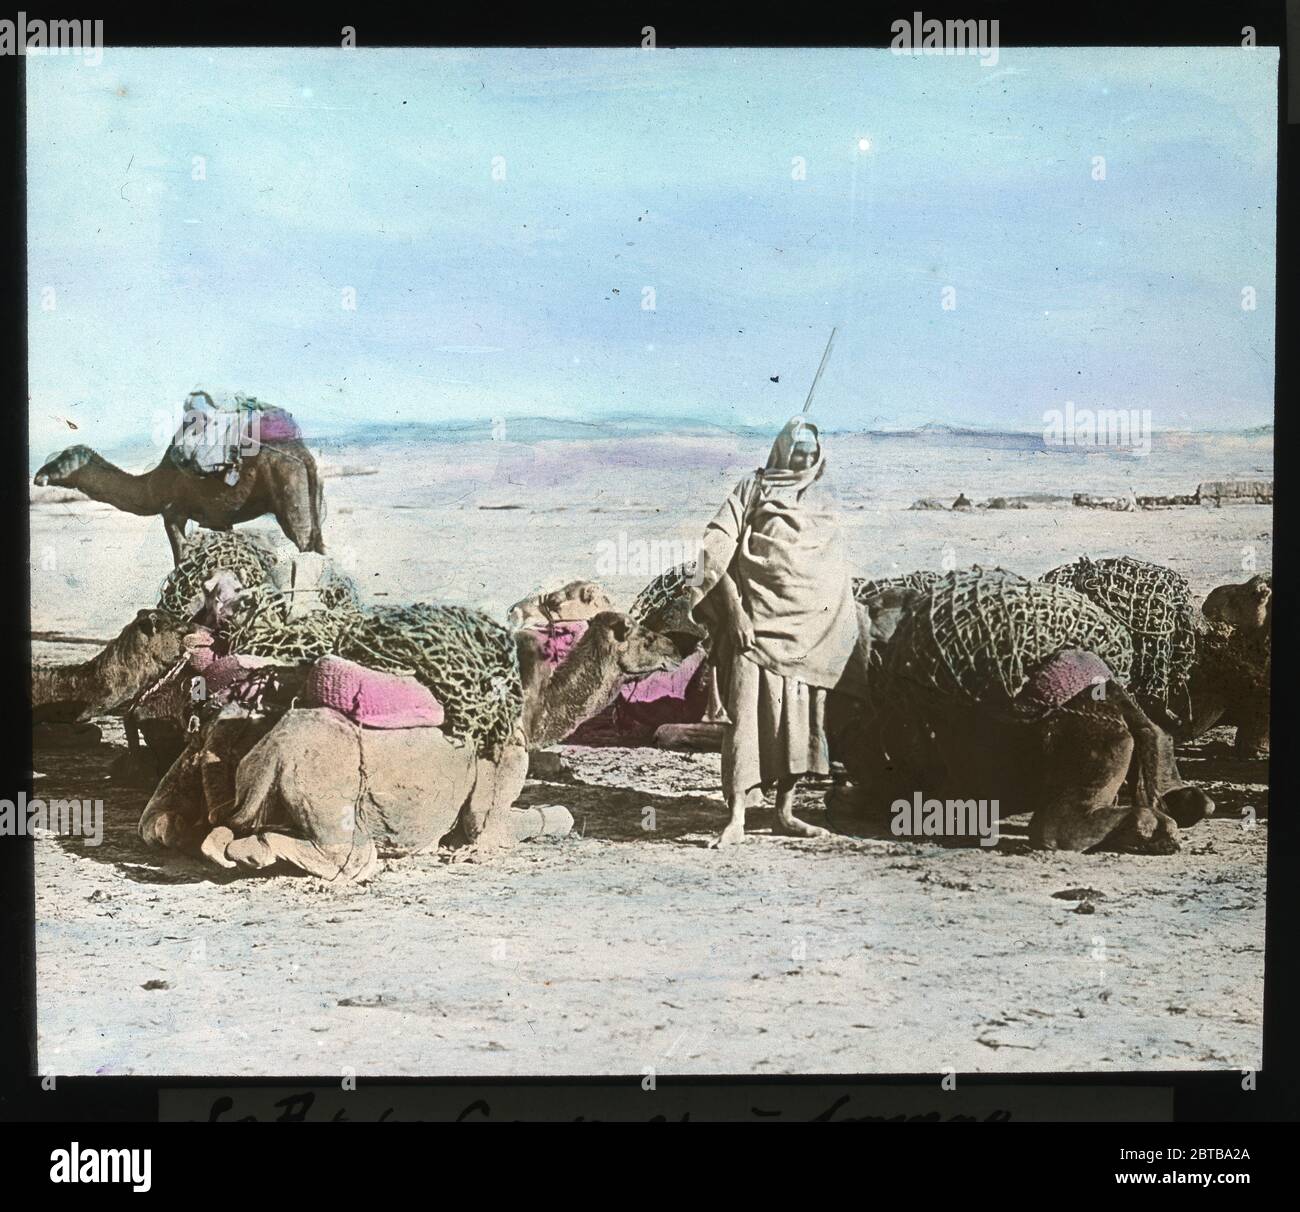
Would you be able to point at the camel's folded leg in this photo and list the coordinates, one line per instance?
(173, 817)
(356, 860)
(524, 824)
(1252, 738)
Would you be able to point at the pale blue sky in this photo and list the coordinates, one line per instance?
(671, 169)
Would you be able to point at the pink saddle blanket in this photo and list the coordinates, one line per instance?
(276, 425)
(557, 639)
(370, 698)
(1060, 678)
(674, 696)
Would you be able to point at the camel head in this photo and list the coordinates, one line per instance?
(885, 611)
(146, 648)
(1247, 607)
(614, 650)
(577, 600)
(634, 649)
(62, 469)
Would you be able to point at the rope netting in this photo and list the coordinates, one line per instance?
(866, 591)
(664, 604)
(1155, 605)
(206, 553)
(981, 633)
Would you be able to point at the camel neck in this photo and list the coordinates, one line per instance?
(574, 692)
(103, 481)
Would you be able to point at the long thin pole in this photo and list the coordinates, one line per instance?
(817, 378)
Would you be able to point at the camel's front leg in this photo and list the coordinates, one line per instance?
(173, 817)
(355, 859)
(175, 523)
(490, 818)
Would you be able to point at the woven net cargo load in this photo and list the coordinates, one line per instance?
(1155, 605)
(212, 551)
(468, 660)
(206, 553)
(979, 634)
(664, 604)
(867, 592)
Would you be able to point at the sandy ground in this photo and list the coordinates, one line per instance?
(623, 947)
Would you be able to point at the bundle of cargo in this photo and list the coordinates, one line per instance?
(981, 634)
(1155, 606)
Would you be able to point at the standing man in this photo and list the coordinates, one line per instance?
(775, 592)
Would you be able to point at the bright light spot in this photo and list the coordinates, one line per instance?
(651, 348)
(864, 144)
(306, 92)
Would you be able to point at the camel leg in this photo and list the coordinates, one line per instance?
(1252, 738)
(1205, 708)
(317, 499)
(174, 523)
(787, 822)
(1085, 764)
(173, 817)
(351, 860)
(490, 819)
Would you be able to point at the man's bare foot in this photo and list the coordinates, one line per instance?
(214, 846)
(732, 835)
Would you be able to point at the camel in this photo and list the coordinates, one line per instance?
(576, 601)
(280, 478)
(1232, 676)
(1066, 768)
(313, 790)
(1223, 652)
(148, 646)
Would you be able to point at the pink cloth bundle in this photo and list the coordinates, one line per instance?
(223, 672)
(370, 698)
(557, 639)
(1062, 677)
(664, 683)
(276, 425)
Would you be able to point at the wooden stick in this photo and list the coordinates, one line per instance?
(817, 378)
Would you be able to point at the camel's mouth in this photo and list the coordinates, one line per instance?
(42, 479)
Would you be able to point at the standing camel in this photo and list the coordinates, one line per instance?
(280, 478)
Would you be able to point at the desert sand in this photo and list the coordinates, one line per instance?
(625, 948)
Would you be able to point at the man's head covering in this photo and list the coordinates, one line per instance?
(777, 473)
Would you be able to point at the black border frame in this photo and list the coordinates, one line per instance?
(1198, 1096)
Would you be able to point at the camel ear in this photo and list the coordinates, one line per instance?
(1262, 589)
(620, 626)
(147, 621)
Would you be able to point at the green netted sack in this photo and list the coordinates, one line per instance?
(979, 634)
(259, 624)
(1155, 604)
(206, 553)
(467, 659)
(865, 592)
(664, 604)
